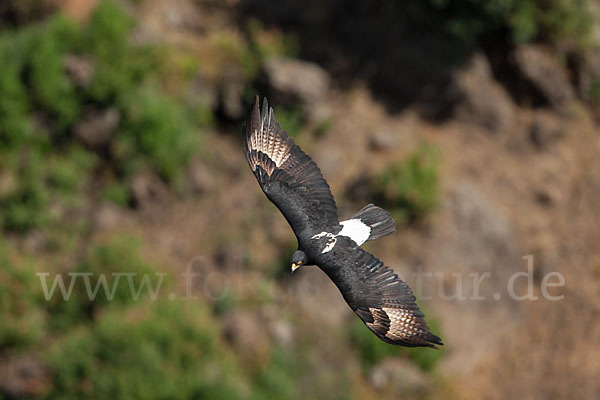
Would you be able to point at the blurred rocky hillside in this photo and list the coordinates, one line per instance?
(475, 123)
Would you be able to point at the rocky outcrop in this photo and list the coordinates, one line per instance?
(295, 82)
(542, 71)
(478, 255)
(147, 189)
(23, 377)
(545, 129)
(479, 99)
(97, 127)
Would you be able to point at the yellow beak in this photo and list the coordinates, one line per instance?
(295, 267)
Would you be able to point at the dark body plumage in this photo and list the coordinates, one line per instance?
(294, 183)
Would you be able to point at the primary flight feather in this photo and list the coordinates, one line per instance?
(294, 183)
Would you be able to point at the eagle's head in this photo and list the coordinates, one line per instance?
(298, 259)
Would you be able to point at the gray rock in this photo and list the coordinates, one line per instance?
(23, 377)
(36, 241)
(479, 99)
(97, 127)
(383, 140)
(539, 68)
(147, 188)
(108, 216)
(545, 129)
(295, 82)
(80, 69)
(282, 332)
(483, 236)
(182, 15)
(200, 178)
(476, 255)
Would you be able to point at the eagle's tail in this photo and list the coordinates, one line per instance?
(379, 220)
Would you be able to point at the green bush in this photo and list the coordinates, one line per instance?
(41, 102)
(53, 91)
(167, 350)
(15, 126)
(263, 44)
(117, 193)
(152, 133)
(277, 380)
(23, 320)
(42, 179)
(554, 21)
(119, 255)
(291, 119)
(409, 190)
(118, 349)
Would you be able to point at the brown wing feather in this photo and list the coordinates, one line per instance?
(395, 316)
(385, 303)
(289, 178)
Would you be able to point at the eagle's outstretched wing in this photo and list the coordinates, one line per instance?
(375, 293)
(289, 178)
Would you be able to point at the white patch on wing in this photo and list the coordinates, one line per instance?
(356, 230)
(330, 243)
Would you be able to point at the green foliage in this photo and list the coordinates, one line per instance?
(555, 21)
(116, 348)
(23, 321)
(15, 127)
(424, 357)
(567, 21)
(168, 350)
(225, 302)
(104, 263)
(276, 381)
(41, 102)
(42, 178)
(323, 127)
(292, 119)
(119, 67)
(53, 92)
(22, 207)
(594, 90)
(152, 132)
(410, 189)
(117, 193)
(263, 44)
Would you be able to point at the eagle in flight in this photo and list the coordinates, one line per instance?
(294, 183)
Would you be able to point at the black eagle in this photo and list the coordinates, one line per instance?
(294, 183)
